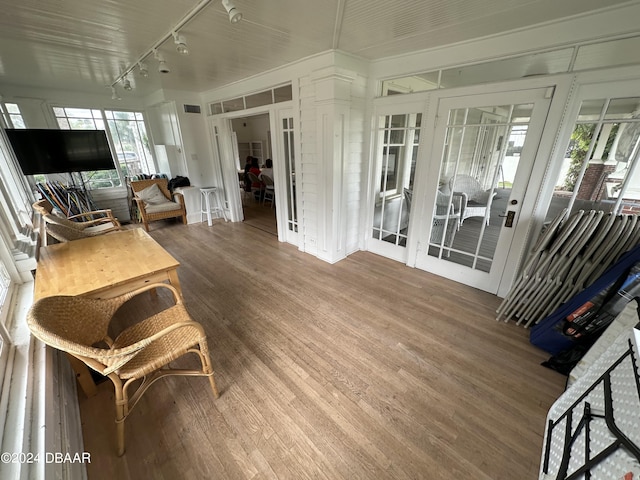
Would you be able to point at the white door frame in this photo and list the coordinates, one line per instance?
(563, 88)
(523, 189)
(224, 155)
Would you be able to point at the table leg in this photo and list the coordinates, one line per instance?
(175, 281)
(84, 377)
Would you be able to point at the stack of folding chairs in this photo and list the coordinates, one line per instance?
(571, 253)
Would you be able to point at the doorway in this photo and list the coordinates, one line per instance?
(252, 137)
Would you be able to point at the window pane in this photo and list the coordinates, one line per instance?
(512, 68)
(233, 105)
(78, 112)
(12, 108)
(590, 110)
(82, 124)
(215, 108)
(607, 54)
(415, 83)
(258, 99)
(623, 108)
(282, 94)
(17, 121)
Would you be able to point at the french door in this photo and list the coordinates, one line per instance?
(286, 198)
(473, 225)
(397, 138)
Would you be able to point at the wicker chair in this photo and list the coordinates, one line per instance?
(65, 229)
(475, 198)
(79, 325)
(445, 221)
(161, 209)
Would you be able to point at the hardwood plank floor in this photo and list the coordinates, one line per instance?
(364, 369)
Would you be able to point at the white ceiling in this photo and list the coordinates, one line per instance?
(81, 45)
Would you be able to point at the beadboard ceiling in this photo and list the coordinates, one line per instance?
(82, 45)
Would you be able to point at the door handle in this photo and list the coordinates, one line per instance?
(511, 214)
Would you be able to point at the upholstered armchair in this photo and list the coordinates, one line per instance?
(154, 201)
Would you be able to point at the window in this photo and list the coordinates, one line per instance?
(600, 169)
(5, 338)
(11, 115)
(128, 136)
(13, 213)
(266, 97)
(599, 54)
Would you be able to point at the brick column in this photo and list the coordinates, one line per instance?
(593, 183)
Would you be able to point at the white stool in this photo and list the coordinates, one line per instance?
(207, 206)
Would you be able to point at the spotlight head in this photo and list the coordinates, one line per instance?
(126, 84)
(162, 65)
(181, 44)
(234, 14)
(144, 71)
(114, 94)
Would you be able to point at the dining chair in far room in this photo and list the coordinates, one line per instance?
(256, 185)
(243, 187)
(143, 351)
(269, 194)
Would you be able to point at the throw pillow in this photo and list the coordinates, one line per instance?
(152, 195)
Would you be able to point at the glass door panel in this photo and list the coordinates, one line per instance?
(398, 137)
(485, 147)
(290, 172)
(478, 168)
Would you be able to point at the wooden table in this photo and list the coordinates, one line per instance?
(104, 266)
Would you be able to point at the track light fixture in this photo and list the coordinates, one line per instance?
(234, 14)
(142, 68)
(114, 94)
(162, 64)
(126, 84)
(181, 44)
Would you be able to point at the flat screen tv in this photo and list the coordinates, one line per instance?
(41, 151)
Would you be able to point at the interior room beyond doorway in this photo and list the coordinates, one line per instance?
(253, 137)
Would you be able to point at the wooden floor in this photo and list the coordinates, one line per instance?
(365, 369)
(257, 215)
